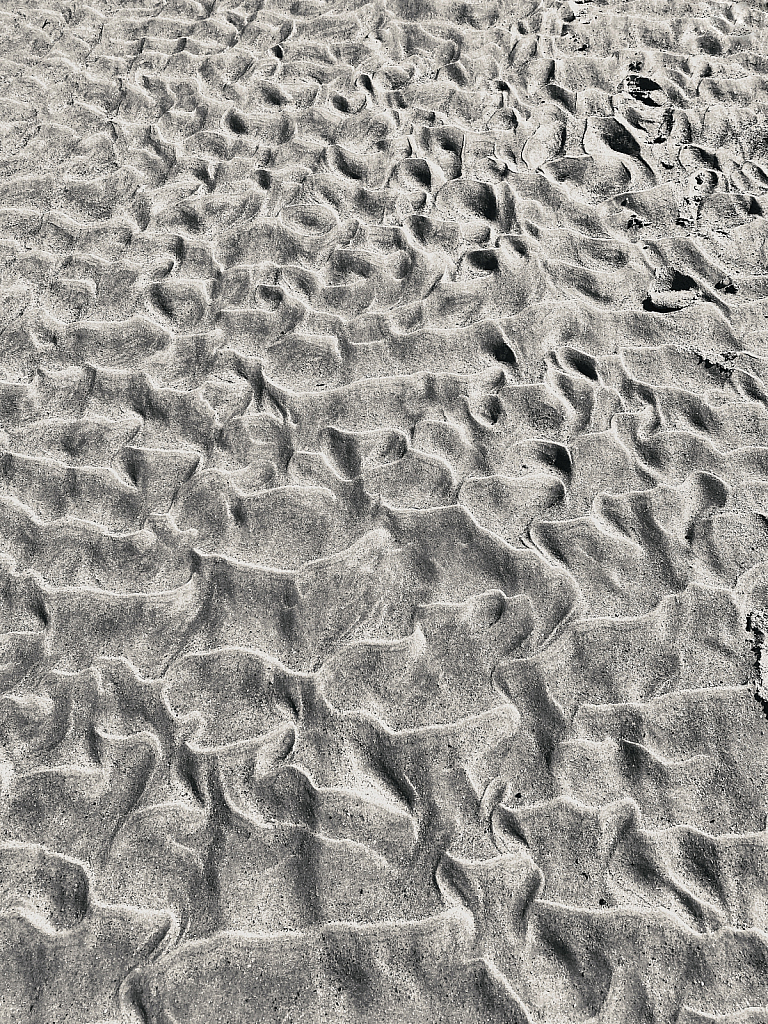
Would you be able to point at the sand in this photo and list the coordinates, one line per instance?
(384, 512)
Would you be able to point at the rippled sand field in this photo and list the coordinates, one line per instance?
(384, 512)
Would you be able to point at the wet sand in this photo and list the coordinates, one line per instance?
(384, 513)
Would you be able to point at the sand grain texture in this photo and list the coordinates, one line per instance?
(384, 512)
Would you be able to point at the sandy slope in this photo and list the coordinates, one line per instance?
(383, 512)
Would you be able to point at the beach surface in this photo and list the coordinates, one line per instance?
(384, 512)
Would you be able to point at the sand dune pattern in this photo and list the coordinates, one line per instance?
(384, 512)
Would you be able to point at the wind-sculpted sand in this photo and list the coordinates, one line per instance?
(384, 512)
